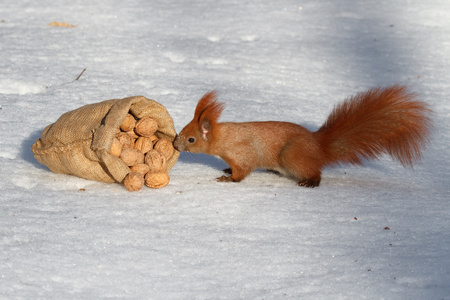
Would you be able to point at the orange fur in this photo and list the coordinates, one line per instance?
(388, 120)
(381, 120)
(208, 106)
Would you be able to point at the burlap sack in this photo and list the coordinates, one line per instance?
(78, 143)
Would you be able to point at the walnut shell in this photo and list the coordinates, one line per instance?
(165, 147)
(125, 139)
(116, 148)
(134, 181)
(146, 127)
(157, 180)
(143, 144)
(154, 139)
(140, 168)
(131, 156)
(129, 123)
(155, 161)
(133, 134)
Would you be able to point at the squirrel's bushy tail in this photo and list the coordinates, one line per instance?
(382, 120)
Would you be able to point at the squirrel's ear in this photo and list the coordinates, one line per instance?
(207, 112)
(205, 129)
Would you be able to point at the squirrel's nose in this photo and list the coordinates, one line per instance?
(176, 143)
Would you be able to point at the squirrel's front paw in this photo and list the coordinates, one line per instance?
(224, 178)
(309, 183)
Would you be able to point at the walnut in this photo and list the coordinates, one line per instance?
(154, 139)
(140, 168)
(132, 134)
(116, 147)
(157, 180)
(125, 139)
(134, 181)
(143, 144)
(146, 127)
(129, 123)
(132, 156)
(155, 161)
(165, 147)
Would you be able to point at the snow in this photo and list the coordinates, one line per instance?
(373, 232)
(21, 88)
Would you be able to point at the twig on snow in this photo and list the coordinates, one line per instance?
(80, 74)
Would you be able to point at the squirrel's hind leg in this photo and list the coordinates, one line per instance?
(303, 163)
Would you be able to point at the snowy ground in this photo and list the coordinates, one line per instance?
(263, 238)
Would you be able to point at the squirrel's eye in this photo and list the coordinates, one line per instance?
(191, 140)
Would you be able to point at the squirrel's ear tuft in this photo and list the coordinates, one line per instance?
(204, 102)
(208, 109)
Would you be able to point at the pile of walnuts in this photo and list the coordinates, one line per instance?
(146, 155)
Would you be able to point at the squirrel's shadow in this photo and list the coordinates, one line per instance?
(203, 159)
(218, 164)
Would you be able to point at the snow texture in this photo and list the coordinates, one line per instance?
(373, 232)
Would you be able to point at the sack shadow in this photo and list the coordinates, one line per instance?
(26, 153)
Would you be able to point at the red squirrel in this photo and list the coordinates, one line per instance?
(381, 120)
